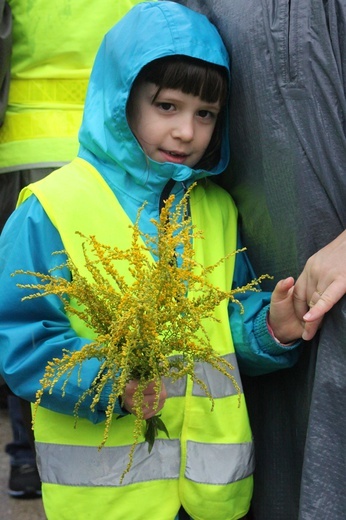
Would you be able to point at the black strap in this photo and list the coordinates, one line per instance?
(166, 193)
(183, 514)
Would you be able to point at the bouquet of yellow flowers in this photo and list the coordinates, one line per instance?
(140, 326)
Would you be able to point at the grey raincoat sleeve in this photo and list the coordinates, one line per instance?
(5, 55)
(288, 177)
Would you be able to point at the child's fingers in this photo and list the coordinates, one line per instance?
(283, 289)
(152, 403)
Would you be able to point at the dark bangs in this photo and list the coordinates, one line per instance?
(191, 76)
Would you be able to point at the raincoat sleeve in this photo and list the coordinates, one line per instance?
(34, 331)
(257, 351)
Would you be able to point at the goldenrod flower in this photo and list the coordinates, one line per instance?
(141, 320)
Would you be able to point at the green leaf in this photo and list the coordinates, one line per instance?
(151, 429)
(161, 425)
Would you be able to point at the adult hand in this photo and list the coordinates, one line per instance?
(152, 402)
(321, 284)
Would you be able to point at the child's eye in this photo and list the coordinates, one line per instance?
(167, 107)
(206, 114)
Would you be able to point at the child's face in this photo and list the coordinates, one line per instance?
(175, 128)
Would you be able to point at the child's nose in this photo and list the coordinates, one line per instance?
(184, 128)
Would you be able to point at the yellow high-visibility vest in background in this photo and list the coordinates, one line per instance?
(54, 46)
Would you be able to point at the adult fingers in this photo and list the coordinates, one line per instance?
(300, 291)
(310, 329)
(322, 301)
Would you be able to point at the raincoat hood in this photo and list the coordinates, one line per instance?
(149, 31)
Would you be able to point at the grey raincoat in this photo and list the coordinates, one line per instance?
(288, 177)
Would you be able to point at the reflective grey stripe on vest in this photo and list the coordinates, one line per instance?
(218, 384)
(89, 466)
(202, 459)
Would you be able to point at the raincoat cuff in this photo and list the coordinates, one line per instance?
(266, 338)
(103, 403)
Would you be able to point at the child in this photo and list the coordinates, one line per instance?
(154, 123)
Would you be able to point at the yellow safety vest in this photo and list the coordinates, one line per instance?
(207, 462)
(54, 46)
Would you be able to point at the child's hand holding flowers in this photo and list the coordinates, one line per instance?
(152, 403)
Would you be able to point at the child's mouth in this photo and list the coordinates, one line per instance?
(175, 157)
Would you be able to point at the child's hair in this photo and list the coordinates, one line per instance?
(196, 77)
